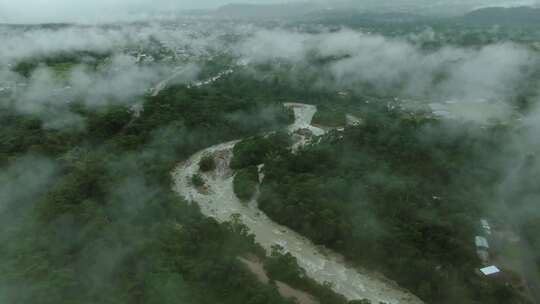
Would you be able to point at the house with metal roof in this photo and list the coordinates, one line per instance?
(490, 270)
(482, 249)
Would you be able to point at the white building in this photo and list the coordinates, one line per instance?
(482, 248)
(490, 270)
(481, 242)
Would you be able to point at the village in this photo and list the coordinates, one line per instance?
(501, 254)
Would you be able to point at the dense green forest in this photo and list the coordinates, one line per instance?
(59, 61)
(90, 216)
(104, 226)
(99, 222)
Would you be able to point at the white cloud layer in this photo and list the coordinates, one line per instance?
(477, 79)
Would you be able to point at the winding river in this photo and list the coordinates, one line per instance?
(322, 265)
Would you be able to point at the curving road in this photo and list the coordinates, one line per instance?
(322, 265)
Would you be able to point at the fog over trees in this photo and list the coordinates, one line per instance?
(424, 123)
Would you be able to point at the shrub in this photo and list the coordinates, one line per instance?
(197, 180)
(207, 163)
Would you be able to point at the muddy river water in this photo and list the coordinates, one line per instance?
(322, 265)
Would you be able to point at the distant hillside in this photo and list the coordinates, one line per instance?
(515, 16)
(373, 12)
(432, 8)
(313, 12)
(264, 11)
(352, 17)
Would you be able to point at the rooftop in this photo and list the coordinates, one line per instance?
(490, 270)
(481, 241)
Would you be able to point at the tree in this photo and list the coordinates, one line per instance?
(245, 183)
(197, 180)
(207, 163)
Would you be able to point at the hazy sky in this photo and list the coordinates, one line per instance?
(83, 11)
(36, 11)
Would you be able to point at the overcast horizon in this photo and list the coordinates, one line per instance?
(57, 11)
(102, 11)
